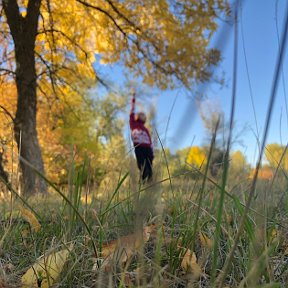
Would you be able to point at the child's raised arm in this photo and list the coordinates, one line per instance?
(132, 111)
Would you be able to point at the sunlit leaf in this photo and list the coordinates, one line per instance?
(45, 271)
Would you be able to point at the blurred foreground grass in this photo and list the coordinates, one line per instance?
(160, 235)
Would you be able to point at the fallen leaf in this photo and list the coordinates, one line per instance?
(148, 231)
(189, 259)
(205, 241)
(124, 247)
(30, 218)
(189, 263)
(120, 249)
(274, 236)
(131, 241)
(45, 271)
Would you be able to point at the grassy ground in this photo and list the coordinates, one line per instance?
(145, 236)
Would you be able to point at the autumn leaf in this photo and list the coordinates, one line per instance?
(189, 264)
(205, 241)
(30, 218)
(46, 270)
(148, 231)
(124, 247)
(274, 236)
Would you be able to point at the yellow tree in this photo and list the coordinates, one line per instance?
(8, 153)
(238, 161)
(239, 167)
(48, 46)
(276, 155)
(197, 157)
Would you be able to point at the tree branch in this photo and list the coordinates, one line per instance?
(104, 12)
(7, 71)
(136, 42)
(11, 10)
(66, 36)
(7, 113)
(115, 9)
(33, 12)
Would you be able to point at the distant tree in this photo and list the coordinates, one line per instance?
(197, 157)
(277, 155)
(264, 173)
(217, 160)
(239, 166)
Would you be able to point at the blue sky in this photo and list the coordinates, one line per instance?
(258, 28)
(257, 25)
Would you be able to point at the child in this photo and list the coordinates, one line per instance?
(142, 142)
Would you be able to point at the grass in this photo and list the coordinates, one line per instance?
(181, 219)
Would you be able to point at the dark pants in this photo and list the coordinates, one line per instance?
(144, 157)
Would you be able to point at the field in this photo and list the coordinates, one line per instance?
(173, 232)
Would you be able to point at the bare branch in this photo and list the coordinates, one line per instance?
(50, 73)
(7, 113)
(115, 9)
(7, 71)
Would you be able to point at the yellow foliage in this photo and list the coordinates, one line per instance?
(134, 30)
(45, 271)
(8, 100)
(196, 157)
(275, 153)
(24, 13)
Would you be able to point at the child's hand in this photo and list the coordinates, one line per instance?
(133, 95)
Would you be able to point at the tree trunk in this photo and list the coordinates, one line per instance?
(24, 31)
(25, 123)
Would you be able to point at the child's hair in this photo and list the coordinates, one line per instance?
(141, 116)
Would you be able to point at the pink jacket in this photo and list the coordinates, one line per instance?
(139, 133)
